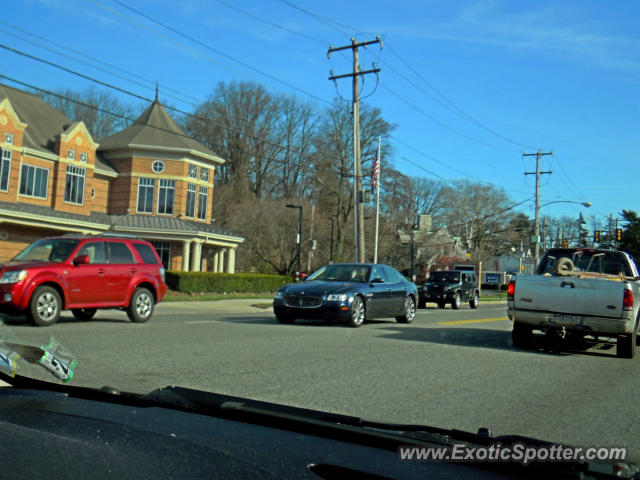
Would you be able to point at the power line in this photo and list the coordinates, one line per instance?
(439, 162)
(449, 103)
(122, 77)
(243, 63)
(273, 24)
(219, 52)
(127, 92)
(302, 167)
(85, 55)
(570, 183)
(132, 120)
(453, 105)
(441, 123)
(179, 110)
(326, 21)
(417, 165)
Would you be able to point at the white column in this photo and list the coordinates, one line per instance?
(231, 261)
(216, 260)
(185, 255)
(195, 258)
(221, 261)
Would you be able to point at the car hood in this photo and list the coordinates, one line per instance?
(319, 288)
(21, 265)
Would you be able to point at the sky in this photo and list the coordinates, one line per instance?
(469, 85)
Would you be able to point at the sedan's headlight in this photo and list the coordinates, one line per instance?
(337, 297)
(13, 276)
(278, 296)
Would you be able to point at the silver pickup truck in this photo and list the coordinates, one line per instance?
(578, 292)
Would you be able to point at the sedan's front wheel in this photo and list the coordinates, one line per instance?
(357, 313)
(409, 311)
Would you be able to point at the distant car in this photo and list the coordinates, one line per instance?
(450, 287)
(82, 274)
(350, 293)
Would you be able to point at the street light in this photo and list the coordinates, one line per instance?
(332, 218)
(537, 222)
(584, 204)
(299, 237)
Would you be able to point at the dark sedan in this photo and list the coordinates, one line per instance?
(350, 293)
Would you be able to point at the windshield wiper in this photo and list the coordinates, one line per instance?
(346, 428)
(388, 436)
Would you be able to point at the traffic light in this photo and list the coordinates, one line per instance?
(618, 234)
(565, 243)
(596, 236)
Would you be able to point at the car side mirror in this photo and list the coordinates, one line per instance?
(377, 280)
(81, 260)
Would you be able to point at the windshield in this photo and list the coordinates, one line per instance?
(272, 197)
(342, 273)
(48, 250)
(444, 277)
(607, 262)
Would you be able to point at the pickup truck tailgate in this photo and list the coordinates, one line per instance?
(570, 295)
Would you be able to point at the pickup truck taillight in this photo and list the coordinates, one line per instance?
(627, 300)
(511, 290)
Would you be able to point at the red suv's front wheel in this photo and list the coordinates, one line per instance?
(44, 306)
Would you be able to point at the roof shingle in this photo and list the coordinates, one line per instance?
(155, 128)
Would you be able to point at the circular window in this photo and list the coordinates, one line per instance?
(158, 166)
(93, 192)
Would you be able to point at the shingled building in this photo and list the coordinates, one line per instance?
(149, 179)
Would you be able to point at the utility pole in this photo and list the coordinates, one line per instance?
(331, 245)
(311, 240)
(376, 179)
(537, 173)
(357, 161)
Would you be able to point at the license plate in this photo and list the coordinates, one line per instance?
(566, 320)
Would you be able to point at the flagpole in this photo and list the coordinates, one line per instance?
(377, 175)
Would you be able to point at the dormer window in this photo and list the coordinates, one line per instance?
(84, 157)
(193, 171)
(8, 138)
(71, 154)
(204, 174)
(157, 166)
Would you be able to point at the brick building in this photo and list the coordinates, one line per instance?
(150, 180)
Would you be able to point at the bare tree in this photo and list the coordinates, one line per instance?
(269, 229)
(333, 162)
(477, 213)
(101, 111)
(264, 138)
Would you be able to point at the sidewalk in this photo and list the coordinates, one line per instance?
(235, 305)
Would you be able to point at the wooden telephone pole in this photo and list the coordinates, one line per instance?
(537, 173)
(357, 160)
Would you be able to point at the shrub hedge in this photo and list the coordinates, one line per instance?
(197, 282)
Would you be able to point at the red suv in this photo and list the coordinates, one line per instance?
(82, 274)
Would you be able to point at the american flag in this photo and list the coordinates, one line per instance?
(375, 173)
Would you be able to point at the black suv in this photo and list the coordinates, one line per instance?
(450, 286)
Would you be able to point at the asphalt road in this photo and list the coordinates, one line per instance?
(452, 369)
